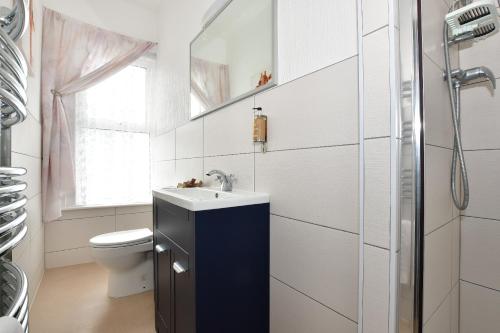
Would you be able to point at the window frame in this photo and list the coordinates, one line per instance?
(146, 62)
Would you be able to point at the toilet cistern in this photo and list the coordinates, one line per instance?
(225, 180)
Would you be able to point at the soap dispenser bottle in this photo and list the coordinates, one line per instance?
(260, 129)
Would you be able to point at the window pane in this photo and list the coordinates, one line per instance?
(112, 167)
(116, 103)
(112, 141)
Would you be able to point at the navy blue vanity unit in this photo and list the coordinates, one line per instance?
(211, 268)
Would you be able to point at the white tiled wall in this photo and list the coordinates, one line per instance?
(442, 223)
(311, 169)
(377, 139)
(315, 212)
(294, 312)
(480, 231)
(67, 239)
(376, 290)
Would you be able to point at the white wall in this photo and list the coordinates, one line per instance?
(311, 169)
(67, 239)
(121, 16)
(442, 220)
(480, 247)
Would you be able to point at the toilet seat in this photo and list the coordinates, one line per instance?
(122, 238)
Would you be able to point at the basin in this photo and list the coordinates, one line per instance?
(198, 199)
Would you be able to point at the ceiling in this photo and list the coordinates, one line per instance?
(149, 4)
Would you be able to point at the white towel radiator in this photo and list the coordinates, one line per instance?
(13, 100)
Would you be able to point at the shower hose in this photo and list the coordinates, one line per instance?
(461, 202)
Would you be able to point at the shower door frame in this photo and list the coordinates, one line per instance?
(412, 163)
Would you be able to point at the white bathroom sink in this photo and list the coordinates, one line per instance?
(197, 199)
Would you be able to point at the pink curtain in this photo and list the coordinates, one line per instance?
(210, 82)
(75, 57)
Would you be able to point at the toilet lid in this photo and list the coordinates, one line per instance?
(120, 238)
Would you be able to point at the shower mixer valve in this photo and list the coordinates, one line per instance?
(461, 76)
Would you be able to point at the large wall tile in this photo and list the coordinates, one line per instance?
(34, 210)
(71, 234)
(313, 34)
(433, 14)
(314, 185)
(378, 192)
(229, 130)
(377, 85)
(479, 309)
(437, 107)
(163, 174)
(484, 183)
(67, 239)
(68, 257)
(72, 214)
(484, 53)
(133, 209)
(293, 312)
(455, 308)
(455, 251)
(480, 116)
(33, 176)
(27, 144)
(241, 166)
(480, 252)
(320, 109)
(375, 15)
(163, 147)
(189, 140)
(438, 268)
(324, 264)
(188, 169)
(376, 290)
(134, 221)
(438, 201)
(440, 321)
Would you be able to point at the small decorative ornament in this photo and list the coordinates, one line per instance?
(190, 184)
(264, 79)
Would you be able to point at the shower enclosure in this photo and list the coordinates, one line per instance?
(449, 154)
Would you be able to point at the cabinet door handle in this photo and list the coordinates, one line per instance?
(160, 248)
(178, 268)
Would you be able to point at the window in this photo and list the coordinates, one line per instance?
(112, 155)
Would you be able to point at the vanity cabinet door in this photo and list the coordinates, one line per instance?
(163, 287)
(183, 291)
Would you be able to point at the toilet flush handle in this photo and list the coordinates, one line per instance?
(160, 248)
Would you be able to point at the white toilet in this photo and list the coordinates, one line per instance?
(128, 255)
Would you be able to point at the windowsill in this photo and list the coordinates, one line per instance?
(69, 209)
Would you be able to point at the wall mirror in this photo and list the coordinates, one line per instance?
(234, 56)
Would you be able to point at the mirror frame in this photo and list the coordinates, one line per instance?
(271, 84)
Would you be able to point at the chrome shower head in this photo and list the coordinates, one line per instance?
(476, 73)
(479, 19)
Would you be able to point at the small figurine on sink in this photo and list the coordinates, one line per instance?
(264, 79)
(190, 184)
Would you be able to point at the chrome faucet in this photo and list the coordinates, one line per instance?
(225, 180)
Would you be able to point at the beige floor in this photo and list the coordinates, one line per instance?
(73, 300)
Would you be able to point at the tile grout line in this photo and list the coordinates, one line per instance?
(313, 299)
(448, 294)
(480, 285)
(374, 31)
(315, 224)
(443, 225)
(480, 218)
